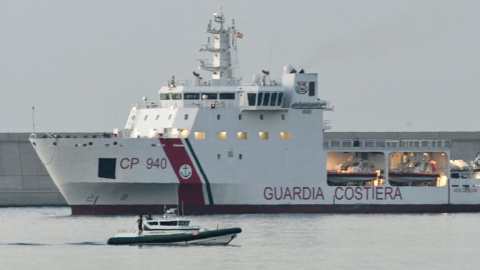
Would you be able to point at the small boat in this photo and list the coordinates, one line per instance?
(347, 177)
(412, 176)
(172, 229)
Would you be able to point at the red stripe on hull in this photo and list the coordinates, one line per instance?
(190, 190)
(272, 209)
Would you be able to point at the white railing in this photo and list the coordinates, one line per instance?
(385, 144)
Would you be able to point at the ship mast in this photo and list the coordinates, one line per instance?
(224, 49)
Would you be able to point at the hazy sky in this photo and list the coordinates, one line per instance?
(383, 65)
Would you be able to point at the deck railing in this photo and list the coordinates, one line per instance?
(385, 144)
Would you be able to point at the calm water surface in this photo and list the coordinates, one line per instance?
(49, 238)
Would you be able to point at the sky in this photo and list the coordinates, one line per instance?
(383, 65)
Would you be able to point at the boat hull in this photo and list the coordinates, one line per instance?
(214, 237)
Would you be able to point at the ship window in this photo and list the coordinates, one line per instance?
(169, 223)
(283, 116)
(311, 89)
(230, 153)
(177, 96)
(263, 135)
(240, 156)
(194, 96)
(106, 167)
(209, 96)
(146, 116)
(261, 116)
(273, 99)
(184, 133)
(164, 96)
(218, 116)
(222, 135)
(154, 223)
(285, 135)
(260, 97)
(200, 135)
(227, 95)
(251, 99)
(266, 98)
(218, 156)
(280, 99)
(156, 118)
(186, 116)
(242, 135)
(239, 117)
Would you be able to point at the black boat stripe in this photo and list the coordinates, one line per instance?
(207, 183)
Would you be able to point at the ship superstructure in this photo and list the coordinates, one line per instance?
(223, 146)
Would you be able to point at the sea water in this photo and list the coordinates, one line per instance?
(50, 238)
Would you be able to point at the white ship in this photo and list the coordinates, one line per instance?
(224, 146)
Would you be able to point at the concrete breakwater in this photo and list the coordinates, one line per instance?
(24, 180)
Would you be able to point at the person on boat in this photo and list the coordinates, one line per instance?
(140, 224)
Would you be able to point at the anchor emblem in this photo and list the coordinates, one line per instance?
(185, 171)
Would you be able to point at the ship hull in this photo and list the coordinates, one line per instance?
(227, 186)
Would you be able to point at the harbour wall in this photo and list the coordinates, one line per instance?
(24, 180)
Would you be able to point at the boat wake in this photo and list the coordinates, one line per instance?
(87, 244)
(49, 244)
(24, 244)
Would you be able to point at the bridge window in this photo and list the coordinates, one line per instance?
(311, 89)
(251, 99)
(273, 99)
(280, 99)
(164, 96)
(194, 96)
(263, 135)
(260, 97)
(227, 95)
(177, 96)
(266, 98)
(209, 96)
(169, 223)
(200, 135)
